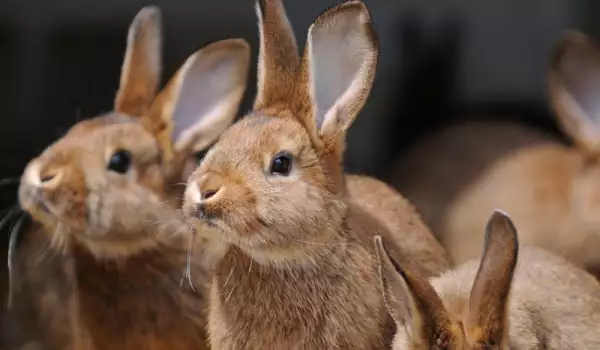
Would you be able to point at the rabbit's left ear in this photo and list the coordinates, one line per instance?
(488, 301)
(142, 66)
(574, 79)
(338, 68)
(203, 97)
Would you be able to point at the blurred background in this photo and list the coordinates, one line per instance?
(441, 61)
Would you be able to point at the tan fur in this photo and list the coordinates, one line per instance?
(457, 176)
(535, 301)
(297, 268)
(102, 263)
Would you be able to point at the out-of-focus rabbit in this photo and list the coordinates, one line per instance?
(517, 298)
(298, 268)
(551, 189)
(102, 264)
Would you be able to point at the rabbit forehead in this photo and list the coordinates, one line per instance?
(257, 136)
(103, 134)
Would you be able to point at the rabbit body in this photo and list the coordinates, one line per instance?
(101, 266)
(553, 304)
(510, 298)
(297, 269)
(460, 174)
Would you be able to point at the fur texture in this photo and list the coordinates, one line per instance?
(538, 301)
(456, 177)
(297, 268)
(102, 264)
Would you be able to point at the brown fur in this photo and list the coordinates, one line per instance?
(102, 263)
(540, 301)
(297, 268)
(457, 176)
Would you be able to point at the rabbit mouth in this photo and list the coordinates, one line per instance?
(33, 199)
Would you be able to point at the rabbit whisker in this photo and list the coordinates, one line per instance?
(230, 292)
(188, 265)
(228, 276)
(10, 213)
(12, 248)
(43, 251)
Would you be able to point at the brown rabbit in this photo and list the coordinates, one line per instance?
(551, 189)
(104, 199)
(298, 268)
(540, 302)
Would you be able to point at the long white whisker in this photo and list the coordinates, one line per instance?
(12, 247)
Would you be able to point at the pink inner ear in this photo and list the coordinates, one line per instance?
(582, 81)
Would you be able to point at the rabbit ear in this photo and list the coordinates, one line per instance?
(140, 74)
(489, 295)
(412, 301)
(203, 97)
(278, 58)
(396, 294)
(575, 88)
(338, 67)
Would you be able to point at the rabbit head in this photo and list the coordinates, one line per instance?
(278, 171)
(105, 182)
(430, 319)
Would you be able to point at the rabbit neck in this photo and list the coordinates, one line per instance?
(118, 299)
(277, 306)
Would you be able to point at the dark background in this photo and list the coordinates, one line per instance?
(441, 60)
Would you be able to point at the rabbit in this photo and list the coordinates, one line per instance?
(105, 202)
(296, 268)
(512, 298)
(460, 174)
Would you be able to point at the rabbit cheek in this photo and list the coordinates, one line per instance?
(152, 178)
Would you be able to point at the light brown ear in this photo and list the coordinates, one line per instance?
(412, 301)
(396, 295)
(489, 296)
(202, 98)
(142, 66)
(278, 59)
(574, 80)
(338, 67)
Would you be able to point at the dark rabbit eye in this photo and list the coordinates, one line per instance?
(120, 161)
(281, 164)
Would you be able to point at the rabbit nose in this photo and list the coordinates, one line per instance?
(50, 178)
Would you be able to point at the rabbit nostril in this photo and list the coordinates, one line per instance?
(209, 193)
(48, 177)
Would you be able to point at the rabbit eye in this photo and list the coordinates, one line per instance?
(281, 164)
(120, 161)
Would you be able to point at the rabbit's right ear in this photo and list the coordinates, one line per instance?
(202, 99)
(142, 66)
(412, 302)
(338, 69)
(574, 82)
(488, 301)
